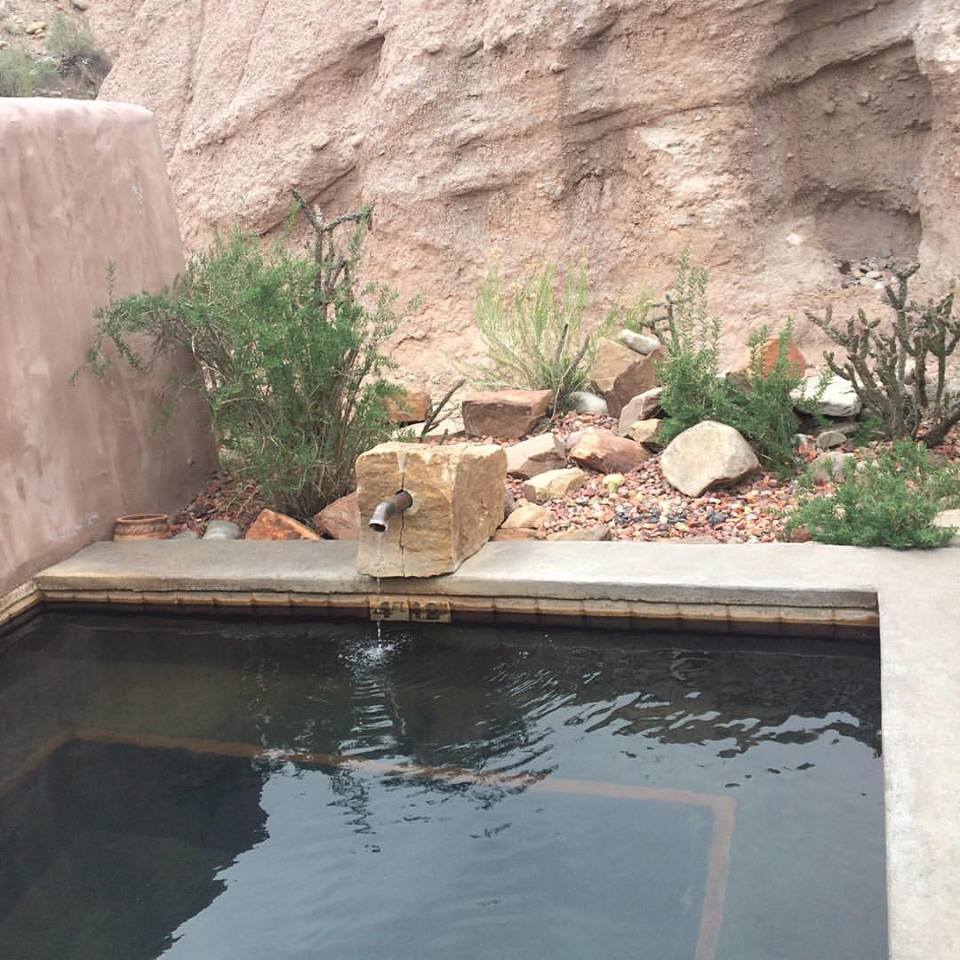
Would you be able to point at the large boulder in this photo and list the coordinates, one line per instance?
(641, 407)
(839, 399)
(340, 520)
(620, 373)
(270, 525)
(708, 455)
(553, 484)
(508, 414)
(536, 455)
(458, 503)
(604, 451)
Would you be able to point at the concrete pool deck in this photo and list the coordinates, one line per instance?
(782, 589)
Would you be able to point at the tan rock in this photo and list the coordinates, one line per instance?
(829, 466)
(599, 532)
(641, 407)
(526, 459)
(340, 520)
(508, 414)
(458, 503)
(514, 533)
(707, 455)
(528, 515)
(604, 451)
(645, 431)
(270, 525)
(620, 373)
(553, 484)
(412, 406)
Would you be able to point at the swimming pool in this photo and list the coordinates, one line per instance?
(206, 789)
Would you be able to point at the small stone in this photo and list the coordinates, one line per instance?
(645, 431)
(526, 459)
(612, 482)
(830, 439)
(829, 466)
(35, 28)
(187, 535)
(839, 399)
(641, 407)
(514, 533)
(509, 414)
(604, 451)
(599, 532)
(80, 4)
(340, 520)
(553, 484)
(271, 525)
(410, 406)
(222, 530)
(582, 401)
(639, 342)
(707, 455)
(527, 515)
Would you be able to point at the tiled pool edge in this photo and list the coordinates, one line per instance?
(913, 594)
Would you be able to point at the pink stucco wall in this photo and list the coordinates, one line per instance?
(82, 184)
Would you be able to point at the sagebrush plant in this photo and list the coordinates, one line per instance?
(288, 355)
(889, 501)
(889, 365)
(82, 63)
(535, 332)
(24, 76)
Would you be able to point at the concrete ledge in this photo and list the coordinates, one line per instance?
(785, 589)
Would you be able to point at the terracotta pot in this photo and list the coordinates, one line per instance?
(142, 526)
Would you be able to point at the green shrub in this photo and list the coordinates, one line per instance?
(887, 502)
(287, 351)
(82, 63)
(535, 334)
(23, 76)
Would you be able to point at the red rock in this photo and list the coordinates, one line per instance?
(340, 520)
(270, 525)
(796, 361)
(514, 533)
(411, 406)
(604, 451)
(508, 414)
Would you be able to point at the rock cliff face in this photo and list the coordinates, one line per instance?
(773, 136)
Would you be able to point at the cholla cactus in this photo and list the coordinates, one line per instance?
(899, 371)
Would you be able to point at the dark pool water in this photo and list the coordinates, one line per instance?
(204, 790)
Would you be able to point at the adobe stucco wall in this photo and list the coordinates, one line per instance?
(81, 184)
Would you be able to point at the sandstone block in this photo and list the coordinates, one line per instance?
(340, 520)
(411, 406)
(508, 414)
(270, 525)
(707, 455)
(604, 451)
(514, 533)
(458, 503)
(645, 431)
(838, 400)
(553, 484)
(641, 407)
(599, 532)
(536, 455)
(620, 373)
(528, 515)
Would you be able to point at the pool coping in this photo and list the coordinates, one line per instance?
(783, 589)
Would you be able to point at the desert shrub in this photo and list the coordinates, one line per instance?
(535, 333)
(890, 501)
(287, 351)
(23, 76)
(83, 65)
(899, 370)
(632, 314)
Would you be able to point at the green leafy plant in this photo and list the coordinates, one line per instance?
(631, 314)
(534, 332)
(890, 501)
(899, 369)
(24, 76)
(82, 62)
(287, 351)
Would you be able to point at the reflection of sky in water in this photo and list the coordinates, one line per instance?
(358, 862)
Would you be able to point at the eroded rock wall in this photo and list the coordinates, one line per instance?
(772, 136)
(81, 185)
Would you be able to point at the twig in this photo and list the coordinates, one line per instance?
(432, 420)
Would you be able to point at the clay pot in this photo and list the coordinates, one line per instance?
(142, 526)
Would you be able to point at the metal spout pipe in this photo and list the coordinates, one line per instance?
(386, 509)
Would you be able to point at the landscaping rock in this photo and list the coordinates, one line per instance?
(509, 503)
(599, 532)
(412, 406)
(604, 451)
(838, 400)
(270, 525)
(222, 530)
(612, 482)
(830, 439)
(949, 518)
(536, 455)
(458, 502)
(620, 373)
(340, 520)
(450, 426)
(584, 402)
(641, 407)
(644, 431)
(707, 455)
(553, 484)
(514, 533)
(188, 535)
(509, 414)
(796, 362)
(527, 515)
(829, 465)
(638, 342)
